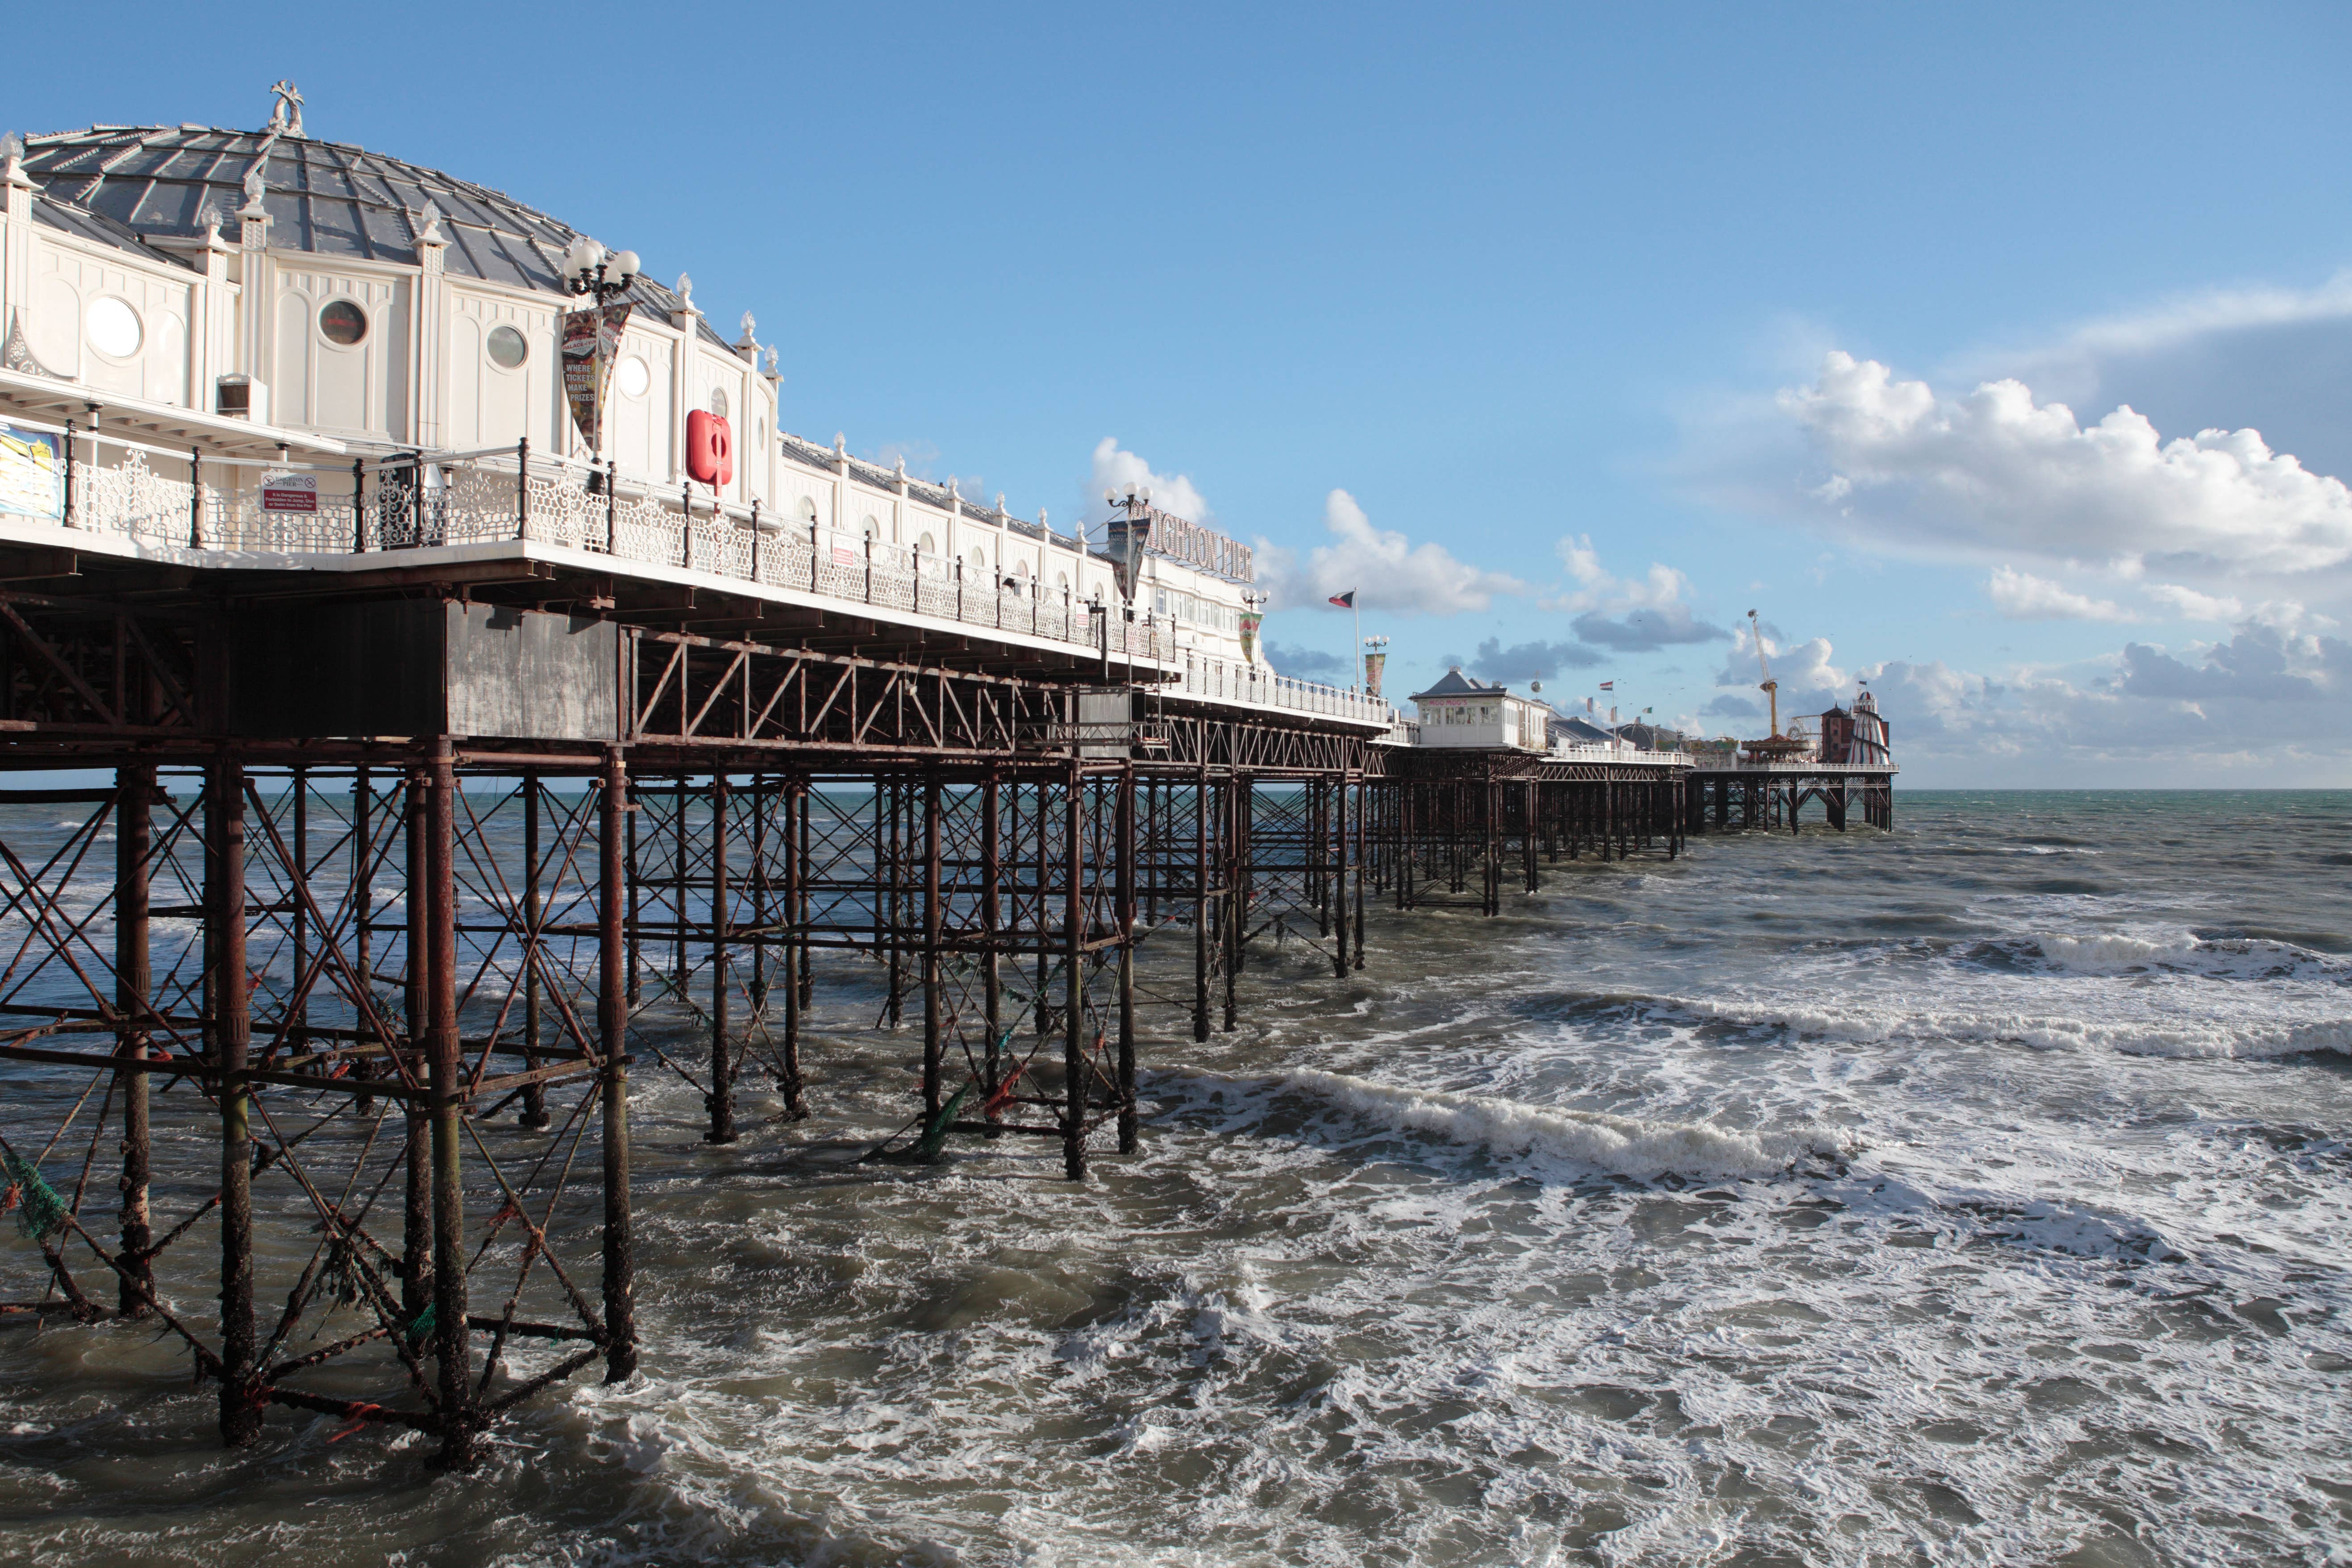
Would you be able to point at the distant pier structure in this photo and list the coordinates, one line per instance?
(491, 705)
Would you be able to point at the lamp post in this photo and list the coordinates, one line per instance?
(591, 272)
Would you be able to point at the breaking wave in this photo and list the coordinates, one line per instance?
(1620, 1145)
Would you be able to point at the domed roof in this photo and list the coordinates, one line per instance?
(328, 198)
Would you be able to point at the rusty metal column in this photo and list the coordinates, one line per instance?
(240, 1413)
(613, 1029)
(534, 1095)
(894, 882)
(991, 920)
(133, 978)
(1340, 874)
(1129, 1122)
(298, 879)
(1363, 810)
(723, 1050)
(634, 935)
(416, 1214)
(795, 997)
(1201, 907)
(458, 1419)
(934, 1011)
(1074, 979)
(1241, 805)
(680, 962)
(363, 902)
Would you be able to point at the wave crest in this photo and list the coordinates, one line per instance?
(1622, 1145)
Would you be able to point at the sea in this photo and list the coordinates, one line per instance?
(1975, 1193)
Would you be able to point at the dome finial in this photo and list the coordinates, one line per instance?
(287, 114)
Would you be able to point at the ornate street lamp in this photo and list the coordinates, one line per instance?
(592, 273)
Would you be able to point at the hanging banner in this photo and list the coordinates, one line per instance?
(32, 473)
(1373, 663)
(290, 492)
(1251, 621)
(1128, 538)
(592, 346)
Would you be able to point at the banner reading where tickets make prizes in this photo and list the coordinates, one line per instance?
(1251, 621)
(585, 369)
(32, 473)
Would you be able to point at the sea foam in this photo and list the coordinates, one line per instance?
(1621, 1145)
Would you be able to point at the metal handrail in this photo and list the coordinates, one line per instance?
(420, 500)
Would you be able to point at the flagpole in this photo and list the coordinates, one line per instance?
(1358, 618)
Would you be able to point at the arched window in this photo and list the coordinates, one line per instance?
(873, 529)
(926, 545)
(718, 401)
(808, 509)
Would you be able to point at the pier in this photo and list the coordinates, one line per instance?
(427, 786)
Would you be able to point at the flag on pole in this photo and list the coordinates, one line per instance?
(1608, 686)
(1346, 601)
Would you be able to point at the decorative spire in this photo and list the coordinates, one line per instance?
(256, 183)
(429, 225)
(772, 360)
(12, 146)
(686, 291)
(287, 115)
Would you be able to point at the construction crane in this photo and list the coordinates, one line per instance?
(1770, 687)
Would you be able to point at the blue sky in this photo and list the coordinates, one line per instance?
(1524, 319)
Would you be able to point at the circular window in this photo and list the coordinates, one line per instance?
(114, 328)
(508, 348)
(926, 545)
(341, 321)
(718, 401)
(635, 377)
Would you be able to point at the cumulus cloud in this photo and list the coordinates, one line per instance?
(2260, 664)
(1646, 630)
(1529, 660)
(1638, 615)
(2021, 597)
(1306, 663)
(1115, 469)
(2188, 604)
(1388, 571)
(1730, 707)
(1994, 470)
(1802, 671)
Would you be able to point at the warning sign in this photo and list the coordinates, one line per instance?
(290, 492)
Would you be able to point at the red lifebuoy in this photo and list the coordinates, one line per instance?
(710, 449)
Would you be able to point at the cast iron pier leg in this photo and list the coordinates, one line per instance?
(133, 978)
(613, 1027)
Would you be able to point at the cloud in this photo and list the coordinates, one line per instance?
(1643, 631)
(2261, 664)
(1638, 615)
(1115, 469)
(1306, 663)
(1729, 707)
(1386, 571)
(1994, 470)
(1801, 671)
(1529, 660)
(2020, 596)
(2190, 605)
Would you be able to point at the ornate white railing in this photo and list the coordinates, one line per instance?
(402, 503)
